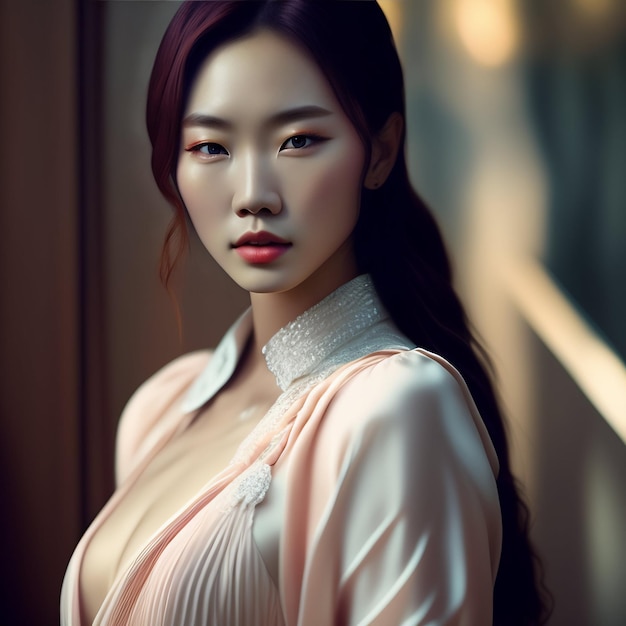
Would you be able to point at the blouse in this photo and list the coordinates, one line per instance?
(366, 495)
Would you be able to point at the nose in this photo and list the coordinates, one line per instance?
(255, 187)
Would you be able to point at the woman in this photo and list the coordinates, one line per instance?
(326, 464)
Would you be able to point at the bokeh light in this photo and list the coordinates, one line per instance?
(488, 30)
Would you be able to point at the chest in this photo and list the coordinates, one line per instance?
(172, 479)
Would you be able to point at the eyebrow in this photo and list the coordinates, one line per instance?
(283, 117)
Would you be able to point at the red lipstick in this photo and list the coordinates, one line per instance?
(260, 248)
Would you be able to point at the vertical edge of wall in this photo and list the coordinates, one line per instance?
(39, 313)
(98, 432)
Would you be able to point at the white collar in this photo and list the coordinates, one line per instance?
(348, 323)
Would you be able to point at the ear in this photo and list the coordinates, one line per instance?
(385, 147)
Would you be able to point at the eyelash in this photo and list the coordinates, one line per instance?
(199, 147)
(206, 144)
(307, 136)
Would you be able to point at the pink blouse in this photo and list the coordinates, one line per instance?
(366, 495)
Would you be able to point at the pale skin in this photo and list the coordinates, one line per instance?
(298, 177)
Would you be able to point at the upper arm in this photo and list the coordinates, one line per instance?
(411, 529)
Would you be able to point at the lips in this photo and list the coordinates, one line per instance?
(261, 248)
(262, 238)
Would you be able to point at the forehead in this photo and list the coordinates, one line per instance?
(262, 72)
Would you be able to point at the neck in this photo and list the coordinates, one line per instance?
(272, 311)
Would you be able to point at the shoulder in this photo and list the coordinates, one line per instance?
(147, 407)
(413, 398)
(166, 385)
(405, 375)
(410, 381)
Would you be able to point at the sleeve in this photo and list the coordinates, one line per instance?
(151, 408)
(410, 530)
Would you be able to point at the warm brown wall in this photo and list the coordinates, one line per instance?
(39, 331)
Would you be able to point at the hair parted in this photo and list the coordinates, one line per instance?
(396, 240)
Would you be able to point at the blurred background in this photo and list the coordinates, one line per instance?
(517, 126)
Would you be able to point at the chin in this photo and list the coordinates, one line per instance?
(265, 281)
(284, 277)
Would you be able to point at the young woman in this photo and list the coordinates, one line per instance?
(340, 457)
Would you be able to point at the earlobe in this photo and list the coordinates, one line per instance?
(385, 146)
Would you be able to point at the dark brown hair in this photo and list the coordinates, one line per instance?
(353, 45)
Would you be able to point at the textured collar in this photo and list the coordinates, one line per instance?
(304, 344)
(348, 323)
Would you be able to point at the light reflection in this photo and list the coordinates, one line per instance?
(601, 374)
(489, 30)
(595, 8)
(394, 11)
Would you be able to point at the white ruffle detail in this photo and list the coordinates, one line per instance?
(252, 485)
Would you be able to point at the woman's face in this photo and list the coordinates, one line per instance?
(270, 167)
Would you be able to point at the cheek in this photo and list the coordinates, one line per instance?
(199, 196)
(332, 189)
(188, 187)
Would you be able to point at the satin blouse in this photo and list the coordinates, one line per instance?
(366, 495)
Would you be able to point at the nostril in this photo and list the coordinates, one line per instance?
(253, 210)
(266, 208)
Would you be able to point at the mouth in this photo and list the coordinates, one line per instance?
(261, 238)
(261, 248)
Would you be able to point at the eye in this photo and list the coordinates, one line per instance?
(207, 148)
(298, 142)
